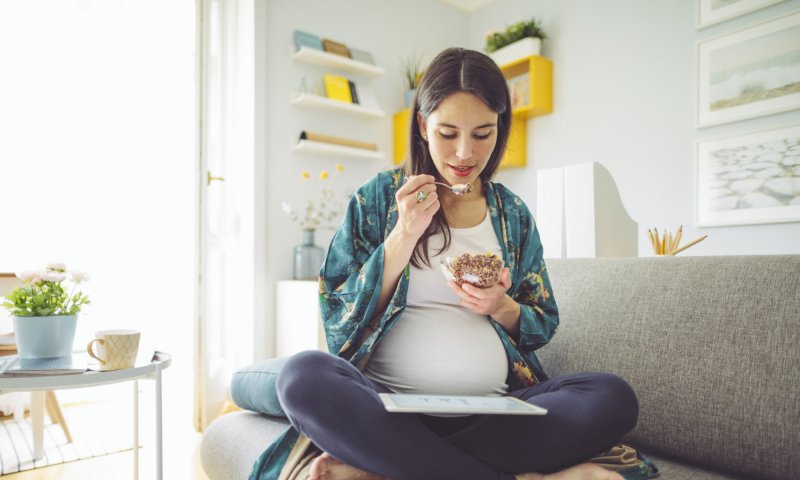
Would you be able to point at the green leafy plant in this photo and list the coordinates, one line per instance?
(512, 33)
(411, 68)
(44, 295)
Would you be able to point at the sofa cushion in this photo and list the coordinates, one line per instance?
(253, 387)
(224, 457)
(669, 468)
(233, 442)
(710, 344)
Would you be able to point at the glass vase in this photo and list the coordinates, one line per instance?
(308, 258)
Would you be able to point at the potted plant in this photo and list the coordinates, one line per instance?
(44, 312)
(519, 40)
(411, 68)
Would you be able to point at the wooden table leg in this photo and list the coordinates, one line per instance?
(56, 415)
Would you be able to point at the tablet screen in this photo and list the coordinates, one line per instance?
(463, 404)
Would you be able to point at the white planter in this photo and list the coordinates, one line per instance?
(514, 51)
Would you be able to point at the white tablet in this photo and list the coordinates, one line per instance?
(458, 404)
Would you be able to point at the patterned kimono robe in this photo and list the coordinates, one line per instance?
(350, 284)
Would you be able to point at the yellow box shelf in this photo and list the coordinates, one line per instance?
(534, 76)
(401, 122)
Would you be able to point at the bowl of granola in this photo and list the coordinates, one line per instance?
(482, 270)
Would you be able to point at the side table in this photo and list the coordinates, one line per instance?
(38, 384)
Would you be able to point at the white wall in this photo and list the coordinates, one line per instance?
(624, 96)
(390, 31)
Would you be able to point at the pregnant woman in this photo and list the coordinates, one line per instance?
(394, 324)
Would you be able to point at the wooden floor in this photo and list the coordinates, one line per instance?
(100, 467)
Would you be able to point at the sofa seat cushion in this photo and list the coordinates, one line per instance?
(669, 468)
(233, 442)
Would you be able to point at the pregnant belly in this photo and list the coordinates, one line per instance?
(455, 354)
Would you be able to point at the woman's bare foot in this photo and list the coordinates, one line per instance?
(584, 471)
(326, 467)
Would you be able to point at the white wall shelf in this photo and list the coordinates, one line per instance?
(325, 59)
(316, 101)
(309, 146)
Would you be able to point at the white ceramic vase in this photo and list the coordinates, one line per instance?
(45, 337)
(514, 51)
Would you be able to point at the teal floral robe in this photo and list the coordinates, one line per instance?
(350, 286)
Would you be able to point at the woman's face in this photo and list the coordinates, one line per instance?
(461, 135)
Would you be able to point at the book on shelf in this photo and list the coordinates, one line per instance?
(331, 46)
(319, 137)
(305, 39)
(353, 92)
(337, 88)
(361, 56)
(12, 365)
(520, 90)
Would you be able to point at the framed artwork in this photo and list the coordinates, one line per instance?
(710, 12)
(750, 72)
(749, 179)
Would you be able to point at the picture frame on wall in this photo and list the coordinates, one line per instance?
(749, 73)
(749, 179)
(710, 12)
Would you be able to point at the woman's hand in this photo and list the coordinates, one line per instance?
(491, 301)
(417, 202)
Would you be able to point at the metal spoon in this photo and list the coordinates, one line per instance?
(459, 189)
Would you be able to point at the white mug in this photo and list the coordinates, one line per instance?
(116, 349)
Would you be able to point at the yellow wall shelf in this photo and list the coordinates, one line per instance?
(401, 122)
(531, 82)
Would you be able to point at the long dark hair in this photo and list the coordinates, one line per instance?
(455, 70)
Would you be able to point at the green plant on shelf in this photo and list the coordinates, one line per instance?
(512, 33)
(411, 68)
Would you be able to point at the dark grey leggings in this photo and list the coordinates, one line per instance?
(331, 402)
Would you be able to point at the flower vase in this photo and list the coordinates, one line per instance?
(408, 97)
(45, 337)
(308, 258)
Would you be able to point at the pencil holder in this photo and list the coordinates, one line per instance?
(668, 243)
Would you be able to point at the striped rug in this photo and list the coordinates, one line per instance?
(97, 428)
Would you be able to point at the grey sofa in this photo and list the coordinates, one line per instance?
(710, 344)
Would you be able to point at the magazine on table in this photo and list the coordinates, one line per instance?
(12, 365)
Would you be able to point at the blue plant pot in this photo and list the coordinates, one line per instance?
(408, 97)
(45, 337)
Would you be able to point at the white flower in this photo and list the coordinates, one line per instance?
(26, 276)
(56, 267)
(79, 277)
(287, 209)
(51, 276)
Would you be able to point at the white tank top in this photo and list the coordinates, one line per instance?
(437, 346)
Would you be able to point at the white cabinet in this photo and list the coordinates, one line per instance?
(298, 322)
